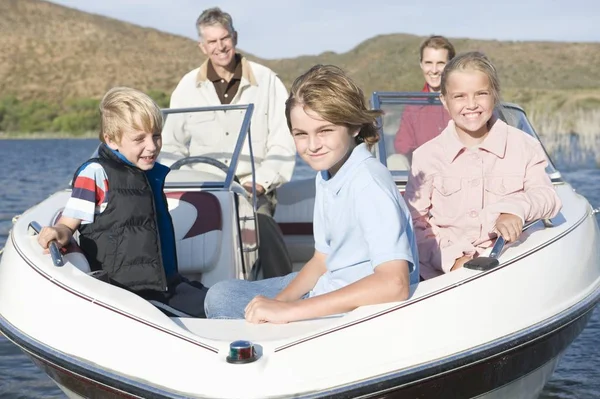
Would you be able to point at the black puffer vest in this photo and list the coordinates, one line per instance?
(123, 240)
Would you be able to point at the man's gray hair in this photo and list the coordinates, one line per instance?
(214, 16)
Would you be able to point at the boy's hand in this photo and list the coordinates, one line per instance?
(59, 233)
(509, 226)
(265, 310)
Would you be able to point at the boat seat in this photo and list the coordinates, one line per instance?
(198, 225)
(168, 310)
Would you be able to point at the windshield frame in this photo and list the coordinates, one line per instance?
(244, 133)
(382, 98)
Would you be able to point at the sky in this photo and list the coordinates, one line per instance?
(284, 28)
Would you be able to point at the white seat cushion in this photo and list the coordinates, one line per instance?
(198, 224)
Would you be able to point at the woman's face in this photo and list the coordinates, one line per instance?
(321, 144)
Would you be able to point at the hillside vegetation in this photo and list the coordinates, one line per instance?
(56, 62)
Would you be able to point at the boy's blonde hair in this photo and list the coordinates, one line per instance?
(124, 108)
(473, 61)
(329, 92)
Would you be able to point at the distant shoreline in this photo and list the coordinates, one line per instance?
(46, 136)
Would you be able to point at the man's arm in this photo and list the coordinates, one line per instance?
(175, 139)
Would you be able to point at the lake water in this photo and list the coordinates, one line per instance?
(32, 170)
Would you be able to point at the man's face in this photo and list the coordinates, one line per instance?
(218, 45)
(432, 65)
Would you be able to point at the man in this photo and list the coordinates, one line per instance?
(227, 77)
(420, 124)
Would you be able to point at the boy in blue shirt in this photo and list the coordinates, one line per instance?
(119, 207)
(365, 247)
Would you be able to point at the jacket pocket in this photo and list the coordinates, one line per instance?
(447, 186)
(501, 186)
(447, 196)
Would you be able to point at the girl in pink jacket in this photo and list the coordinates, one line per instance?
(480, 178)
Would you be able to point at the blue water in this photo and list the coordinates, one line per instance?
(32, 170)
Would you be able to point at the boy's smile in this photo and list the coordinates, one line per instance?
(138, 147)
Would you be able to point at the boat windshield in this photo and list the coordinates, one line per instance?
(215, 154)
(412, 118)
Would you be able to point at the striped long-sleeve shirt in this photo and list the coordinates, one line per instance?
(89, 195)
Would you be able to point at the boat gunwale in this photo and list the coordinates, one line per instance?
(466, 358)
(445, 288)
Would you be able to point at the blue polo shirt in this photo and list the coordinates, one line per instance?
(360, 222)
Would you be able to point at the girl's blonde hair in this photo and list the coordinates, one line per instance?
(474, 61)
(124, 108)
(328, 91)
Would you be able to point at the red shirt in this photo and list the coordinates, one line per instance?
(419, 124)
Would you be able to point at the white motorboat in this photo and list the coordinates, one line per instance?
(496, 330)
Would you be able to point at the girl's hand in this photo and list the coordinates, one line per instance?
(509, 226)
(265, 310)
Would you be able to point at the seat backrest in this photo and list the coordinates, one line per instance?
(198, 224)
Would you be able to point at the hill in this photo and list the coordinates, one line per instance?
(54, 54)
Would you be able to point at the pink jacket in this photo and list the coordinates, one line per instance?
(455, 194)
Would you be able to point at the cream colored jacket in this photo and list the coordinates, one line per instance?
(214, 134)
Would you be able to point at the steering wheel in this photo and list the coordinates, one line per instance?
(206, 160)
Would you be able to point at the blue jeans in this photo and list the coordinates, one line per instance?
(228, 299)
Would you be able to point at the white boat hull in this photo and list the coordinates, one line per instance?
(464, 334)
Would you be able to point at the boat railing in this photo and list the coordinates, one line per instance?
(57, 258)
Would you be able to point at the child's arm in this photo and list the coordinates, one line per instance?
(389, 283)
(386, 233)
(88, 197)
(538, 200)
(305, 280)
(61, 232)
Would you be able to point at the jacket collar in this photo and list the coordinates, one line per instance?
(159, 171)
(247, 74)
(495, 142)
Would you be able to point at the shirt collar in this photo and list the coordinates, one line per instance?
(247, 75)
(495, 142)
(359, 154)
(212, 75)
